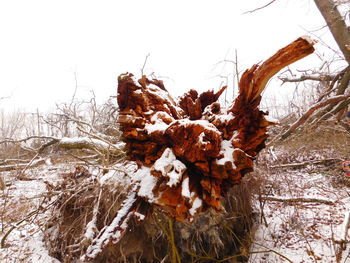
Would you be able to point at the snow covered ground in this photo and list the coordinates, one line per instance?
(24, 210)
(304, 225)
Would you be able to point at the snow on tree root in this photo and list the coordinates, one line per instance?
(113, 232)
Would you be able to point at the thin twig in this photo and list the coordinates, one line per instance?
(268, 251)
(144, 64)
(259, 8)
(8, 140)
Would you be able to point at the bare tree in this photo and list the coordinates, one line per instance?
(332, 88)
(25, 139)
(336, 24)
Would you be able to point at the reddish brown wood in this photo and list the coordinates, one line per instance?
(195, 149)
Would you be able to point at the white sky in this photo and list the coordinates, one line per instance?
(43, 42)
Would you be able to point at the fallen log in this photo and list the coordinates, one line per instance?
(303, 164)
(191, 151)
(91, 142)
(20, 166)
(293, 200)
(98, 145)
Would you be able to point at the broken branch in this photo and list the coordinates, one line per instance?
(307, 114)
(292, 200)
(302, 164)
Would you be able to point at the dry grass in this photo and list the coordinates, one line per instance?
(13, 210)
(326, 137)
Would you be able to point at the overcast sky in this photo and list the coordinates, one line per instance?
(45, 43)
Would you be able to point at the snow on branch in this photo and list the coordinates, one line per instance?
(90, 143)
(308, 77)
(114, 232)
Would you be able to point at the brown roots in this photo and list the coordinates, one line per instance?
(211, 237)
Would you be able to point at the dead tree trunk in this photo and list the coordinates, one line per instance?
(192, 151)
(336, 24)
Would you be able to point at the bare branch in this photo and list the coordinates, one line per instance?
(144, 64)
(336, 24)
(31, 164)
(308, 77)
(306, 115)
(28, 138)
(298, 200)
(332, 84)
(298, 165)
(259, 8)
(346, 126)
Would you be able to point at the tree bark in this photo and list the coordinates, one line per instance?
(336, 25)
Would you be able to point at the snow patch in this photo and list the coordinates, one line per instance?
(197, 203)
(234, 136)
(155, 90)
(271, 119)
(48, 161)
(186, 188)
(308, 39)
(117, 174)
(138, 91)
(40, 252)
(227, 150)
(147, 182)
(225, 118)
(159, 126)
(91, 229)
(201, 140)
(170, 167)
(205, 123)
(157, 122)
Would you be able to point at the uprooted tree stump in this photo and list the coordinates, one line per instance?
(192, 151)
(187, 155)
